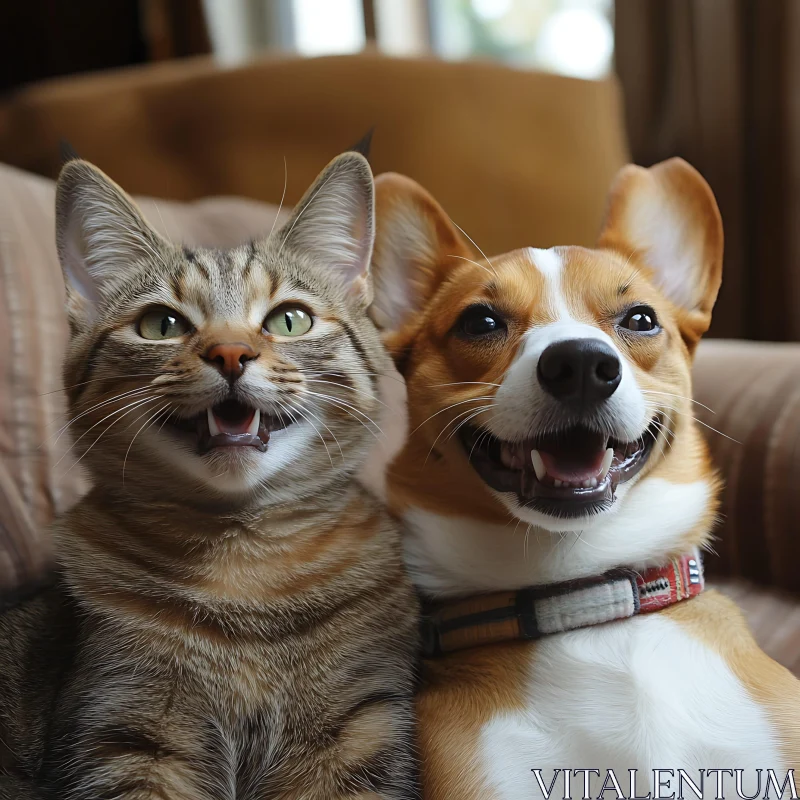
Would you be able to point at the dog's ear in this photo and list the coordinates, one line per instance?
(667, 219)
(415, 246)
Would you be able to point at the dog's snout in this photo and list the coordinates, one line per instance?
(582, 371)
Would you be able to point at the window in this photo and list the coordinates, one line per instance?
(571, 37)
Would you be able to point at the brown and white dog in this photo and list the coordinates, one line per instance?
(553, 478)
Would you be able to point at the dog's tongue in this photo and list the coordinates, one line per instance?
(573, 458)
(570, 469)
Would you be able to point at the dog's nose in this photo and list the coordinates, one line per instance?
(583, 371)
(230, 358)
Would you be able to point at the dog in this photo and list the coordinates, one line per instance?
(557, 496)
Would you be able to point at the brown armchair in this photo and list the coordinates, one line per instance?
(516, 157)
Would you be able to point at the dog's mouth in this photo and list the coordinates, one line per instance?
(231, 424)
(572, 473)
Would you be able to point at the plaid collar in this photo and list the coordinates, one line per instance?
(541, 610)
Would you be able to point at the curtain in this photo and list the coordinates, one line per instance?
(718, 83)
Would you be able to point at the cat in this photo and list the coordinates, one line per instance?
(231, 617)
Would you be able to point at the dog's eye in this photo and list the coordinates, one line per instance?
(480, 321)
(641, 319)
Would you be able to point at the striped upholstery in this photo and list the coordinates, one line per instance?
(35, 483)
(754, 391)
(774, 619)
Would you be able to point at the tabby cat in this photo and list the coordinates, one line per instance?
(231, 617)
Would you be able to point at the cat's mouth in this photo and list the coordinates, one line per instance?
(232, 424)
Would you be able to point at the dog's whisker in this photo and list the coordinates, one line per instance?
(680, 397)
(474, 244)
(480, 266)
(463, 383)
(474, 412)
(447, 408)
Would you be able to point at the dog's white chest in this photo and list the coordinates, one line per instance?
(638, 694)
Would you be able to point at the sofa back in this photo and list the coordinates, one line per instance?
(516, 157)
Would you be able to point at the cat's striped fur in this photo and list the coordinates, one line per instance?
(228, 625)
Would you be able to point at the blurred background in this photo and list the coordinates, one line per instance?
(515, 114)
(714, 81)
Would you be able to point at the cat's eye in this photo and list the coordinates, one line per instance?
(288, 321)
(162, 323)
(640, 319)
(480, 320)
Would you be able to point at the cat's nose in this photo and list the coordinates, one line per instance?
(230, 358)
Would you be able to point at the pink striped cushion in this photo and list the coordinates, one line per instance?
(35, 483)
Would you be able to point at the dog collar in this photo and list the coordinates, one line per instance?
(557, 607)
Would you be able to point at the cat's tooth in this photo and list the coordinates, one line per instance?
(606, 465)
(253, 427)
(213, 428)
(538, 464)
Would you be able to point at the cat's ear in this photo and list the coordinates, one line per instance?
(416, 246)
(100, 234)
(334, 223)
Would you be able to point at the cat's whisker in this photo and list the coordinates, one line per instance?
(349, 388)
(345, 406)
(305, 208)
(147, 422)
(303, 413)
(337, 374)
(133, 405)
(283, 196)
(58, 434)
(105, 430)
(166, 419)
(125, 376)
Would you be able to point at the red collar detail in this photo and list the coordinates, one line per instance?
(558, 607)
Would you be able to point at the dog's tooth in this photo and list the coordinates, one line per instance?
(557, 483)
(252, 429)
(213, 428)
(538, 465)
(606, 465)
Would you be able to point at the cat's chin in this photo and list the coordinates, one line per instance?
(231, 469)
